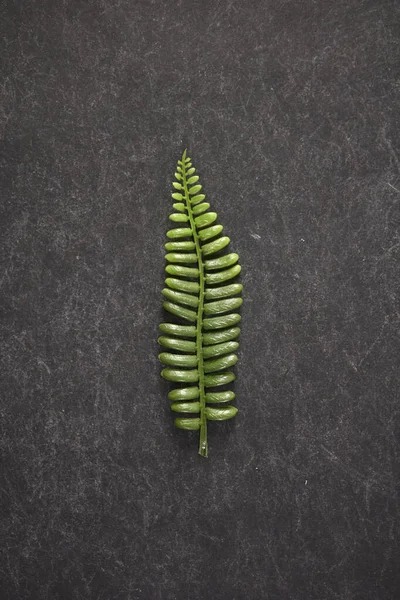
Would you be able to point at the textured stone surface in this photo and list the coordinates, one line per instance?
(290, 111)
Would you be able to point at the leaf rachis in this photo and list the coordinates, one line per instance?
(203, 445)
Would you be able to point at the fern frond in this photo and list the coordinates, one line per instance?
(199, 290)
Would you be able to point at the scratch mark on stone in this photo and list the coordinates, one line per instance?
(372, 346)
(392, 186)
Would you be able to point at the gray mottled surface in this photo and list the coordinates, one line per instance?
(291, 113)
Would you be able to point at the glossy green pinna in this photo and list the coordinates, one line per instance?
(200, 291)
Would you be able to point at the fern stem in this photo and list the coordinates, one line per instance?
(203, 445)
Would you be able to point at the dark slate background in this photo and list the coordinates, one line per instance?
(290, 111)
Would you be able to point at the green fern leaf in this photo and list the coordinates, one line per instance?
(199, 290)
